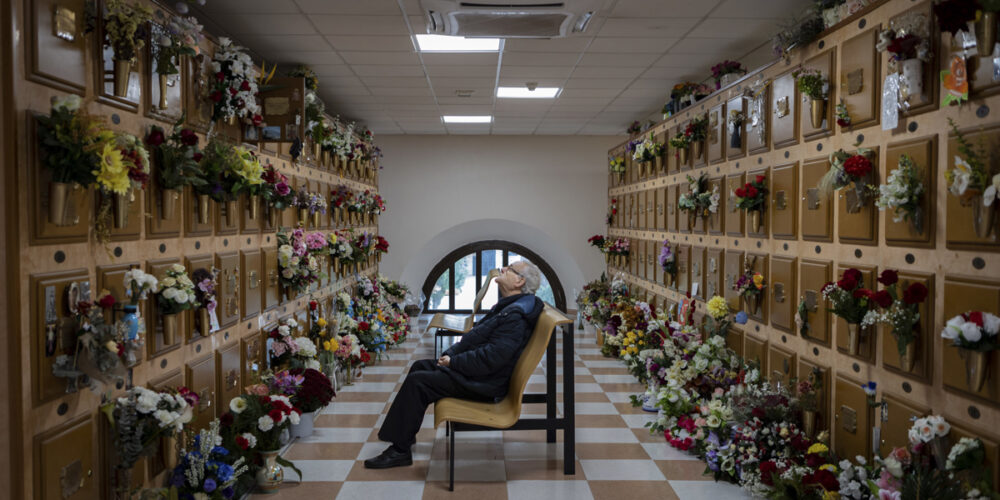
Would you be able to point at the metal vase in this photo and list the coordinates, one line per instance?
(755, 221)
(58, 196)
(986, 33)
(204, 324)
(854, 333)
(983, 217)
(315, 217)
(304, 216)
(203, 209)
(699, 148)
(977, 364)
(170, 452)
(231, 209)
(817, 112)
(121, 204)
(682, 155)
(169, 328)
(169, 199)
(163, 92)
(271, 474)
(658, 163)
(123, 70)
(809, 422)
(253, 202)
(909, 356)
(753, 303)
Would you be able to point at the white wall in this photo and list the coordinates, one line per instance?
(547, 193)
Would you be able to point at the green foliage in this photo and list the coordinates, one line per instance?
(68, 141)
(220, 159)
(811, 83)
(976, 156)
(122, 28)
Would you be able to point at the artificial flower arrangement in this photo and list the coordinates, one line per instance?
(309, 204)
(297, 262)
(668, 261)
(276, 192)
(752, 198)
(69, 139)
(138, 284)
(685, 94)
(123, 170)
(315, 393)
(847, 168)
(101, 349)
(750, 286)
(253, 425)
(612, 212)
(974, 333)
(288, 351)
(233, 91)
(178, 37)
(381, 246)
(393, 289)
(813, 85)
(727, 67)
(634, 128)
(342, 141)
(808, 393)
(177, 157)
(175, 294)
(619, 247)
(124, 31)
(143, 416)
(694, 133)
(908, 42)
(616, 164)
(598, 241)
(902, 192)
(843, 115)
(718, 316)
(376, 204)
(208, 470)
(340, 248)
(699, 201)
(205, 302)
(899, 309)
(970, 180)
(646, 150)
(850, 300)
(229, 171)
(798, 35)
(734, 126)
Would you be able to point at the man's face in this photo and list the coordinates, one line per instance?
(510, 278)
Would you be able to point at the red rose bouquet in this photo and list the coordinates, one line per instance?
(899, 308)
(753, 195)
(315, 393)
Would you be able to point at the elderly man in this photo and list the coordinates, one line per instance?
(478, 367)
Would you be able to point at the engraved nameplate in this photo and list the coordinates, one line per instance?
(64, 23)
(812, 199)
(781, 107)
(810, 299)
(780, 200)
(659, 209)
(276, 106)
(848, 419)
(855, 81)
(779, 292)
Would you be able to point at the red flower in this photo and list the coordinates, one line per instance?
(107, 301)
(155, 137)
(977, 318)
(313, 305)
(226, 419)
(233, 91)
(757, 412)
(847, 283)
(888, 277)
(883, 299)
(742, 193)
(216, 96)
(275, 415)
(363, 326)
(767, 470)
(814, 460)
(751, 192)
(857, 166)
(245, 86)
(760, 179)
(220, 76)
(864, 293)
(842, 122)
(853, 273)
(242, 442)
(915, 293)
(827, 480)
(188, 137)
(197, 157)
(257, 120)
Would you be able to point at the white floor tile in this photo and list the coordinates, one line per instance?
(707, 490)
(468, 471)
(663, 451)
(604, 435)
(363, 386)
(354, 409)
(386, 370)
(639, 421)
(603, 363)
(338, 435)
(595, 409)
(379, 490)
(619, 397)
(584, 387)
(549, 490)
(614, 379)
(622, 470)
(588, 351)
(532, 451)
(320, 470)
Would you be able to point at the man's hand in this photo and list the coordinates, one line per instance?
(444, 360)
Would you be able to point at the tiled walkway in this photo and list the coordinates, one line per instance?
(616, 456)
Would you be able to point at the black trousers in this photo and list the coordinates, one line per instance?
(424, 384)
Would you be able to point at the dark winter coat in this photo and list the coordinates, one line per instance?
(483, 361)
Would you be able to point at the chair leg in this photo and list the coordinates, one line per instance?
(447, 429)
(451, 462)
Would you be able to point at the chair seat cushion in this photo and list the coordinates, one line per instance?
(497, 415)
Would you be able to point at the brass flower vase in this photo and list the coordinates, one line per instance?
(169, 328)
(271, 474)
(203, 209)
(977, 365)
(986, 33)
(304, 216)
(658, 163)
(908, 357)
(253, 201)
(170, 452)
(682, 155)
(231, 209)
(163, 92)
(753, 303)
(755, 220)
(121, 204)
(123, 70)
(983, 217)
(169, 199)
(58, 196)
(699, 149)
(809, 422)
(272, 215)
(854, 334)
(817, 112)
(349, 379)
(204, 324)
(315, 217)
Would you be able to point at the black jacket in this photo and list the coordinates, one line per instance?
(484, 360)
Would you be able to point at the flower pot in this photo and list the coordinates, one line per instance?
(854, 334)
(121, 204)
(270, 475)
(682, 155)
(168, 198)
(58, 196)
(755, 221)
(809, 422)
(305, 426)
(204, 323)
(977, 364)
(202, 209)
(123, 70)
(983, 217)
(909, 356)
(753, 303)
(304, 216)
(699, 148)
(130, 319)
(817, 112)
(986, 33)
(163, 92)
(170, 452)
(169, 328)
(253, 201)
(231, 212)
(349, 376)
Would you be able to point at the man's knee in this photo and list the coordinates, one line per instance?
(423, 365)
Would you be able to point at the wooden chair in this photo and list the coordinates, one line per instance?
(465, 415)
(455, 325)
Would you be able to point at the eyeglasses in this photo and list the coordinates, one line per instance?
(511, 269)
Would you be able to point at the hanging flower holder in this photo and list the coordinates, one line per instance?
(817, 112)
(253, 202)
(908, 358)
(163, 92)
(977, 365)
(755, 220)
(983, 217)
(202, 209)
(855, 333)
(699, 148)
(58, 199)
(753, 303)
(682, 155)
(809, 422)
(123, 70)
(121, 204)
(169, 199)
(231, 212)
(169, 328)
(986, 33)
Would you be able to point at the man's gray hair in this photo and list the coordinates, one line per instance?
(532, 277)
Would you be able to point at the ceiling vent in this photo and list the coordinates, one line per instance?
(524, 19)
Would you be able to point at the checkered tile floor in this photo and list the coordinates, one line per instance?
(616, 455)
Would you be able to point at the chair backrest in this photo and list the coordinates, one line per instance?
(482, 291)
(533, 352)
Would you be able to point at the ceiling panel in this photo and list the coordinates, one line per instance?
(383, 70)
(359, 25)
(615, 60)
(288, 43)
(371, 43)
(775, 9)
(483, 101)
(568, 44)
(575, 93)
(603, 72)
(328, 58)
(746, 29)
(393, 58)
(401, 91)
(541, 58)
(453, 71)
(535, 71)
(728, 47)
(386, 7)
(395, 81)
(664, 8)
(270, 24)
(647, 27)
(225, 7)
(579, 82)
(619, 45)
(477, 59)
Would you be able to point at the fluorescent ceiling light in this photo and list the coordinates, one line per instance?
(524, 93)
(467, 118)
(442, 43)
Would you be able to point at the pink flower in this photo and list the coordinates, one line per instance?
(889, 495)
(315, 241)
(278, 348)
(282, 188)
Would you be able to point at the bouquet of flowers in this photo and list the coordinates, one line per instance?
(287, 350)
(234, 90)
(750, 286)
(138, 284)
(316, 392)
(101, 349)
(695, 132)
(699, 201)
(312, 202)
(612, 212)
(282, 383)
(902, 312)
(177, 156)
(616, 165)
(219, 164)
(261, 418)
(142, 416)
(725, 68)
(298, 267)
(847, 168)
(753, 195)
(718, 316)
(381, 245)
(849, 299)
(393, 289)
(248, 173)
(668, 261)
(179, 37)
(275, 189)
(811, 83)
(204, 292)
(341, 197)
(70, 141)
(970, 177)
(902, 192)
(123, 28)
(376, 204)
(123, 169)
(339, 243)
(973, 330)
(207, 472)
(597, 241)
(619, 247)
(908, 37)
(645, 150)
(176, 292)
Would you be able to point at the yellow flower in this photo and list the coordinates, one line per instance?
(818, 448)
(758, 280)
(831, 495)
(321, 322)
(829, 467)
(113, 174)
(331, 345)
(718, 307)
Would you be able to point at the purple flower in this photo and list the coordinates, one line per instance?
(665, 254)
(210, 485)
(228, 492)
(740, 318)
(282, 188)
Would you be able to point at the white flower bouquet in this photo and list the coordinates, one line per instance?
(175, 292)
(138, 284)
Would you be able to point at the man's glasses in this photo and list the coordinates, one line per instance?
(511, 269)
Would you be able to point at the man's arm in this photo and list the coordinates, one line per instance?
(472, 338)
(488, 357)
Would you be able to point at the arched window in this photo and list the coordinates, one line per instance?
(453, 283)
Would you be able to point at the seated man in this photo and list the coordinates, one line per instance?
(478, 367)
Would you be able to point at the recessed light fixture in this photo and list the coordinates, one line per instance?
(528, 93)
(467, 118)
(443, 43)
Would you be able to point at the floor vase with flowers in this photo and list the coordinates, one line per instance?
(270, 475)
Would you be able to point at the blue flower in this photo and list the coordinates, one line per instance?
(741, 318)
(225, 473)
(210, 485)
(220, 451)
(228, 492)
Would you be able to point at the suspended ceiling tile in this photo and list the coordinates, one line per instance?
(618, 45)
(391, 58)
(327, 70)
(383, 7)
(672, 60)
(555, 112)
(568, 44)
(465, 101)
(520, 82)
(605, 72)
(462, 83)
(579, 82)
(466, 109)
(535, 71)
(618, 60)
(476, 59)
(249, 6)
(371, 43)
(271, 24)
(744, 29)
(664, 8)
(447, 92)
(349, 91)
(731, 48)
(384, 70)
(461, 71)
(328, 57)
(395, 81)
(333, 24)
(775, 9)
(541, 58)
(582, 101)
(647, 27)
(588, 93)
(401, 91)
(675, 74)
(643, 93)
(340, 81)
(391, 99)
(285, 43)
(468, 128)
(651, 83)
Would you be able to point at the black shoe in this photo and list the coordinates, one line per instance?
(389, 458)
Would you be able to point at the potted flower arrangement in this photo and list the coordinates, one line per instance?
(752, 198)
(123, 30)
(298, 268)
(124, 169)
(282, 346)
(646, 151)
(616, 165)
(851, 301)
(140, 419)
(902, 193)
(668, 262)
(276, 193)
(234, 90)
(813, 85)
(901, 312)
(847, 168)
(174, 294)
(970, 180)
(206, 471)
(179, 37)
(750, 286)
(619, 250)
(315, 393)
(699, 201)
(727, 72)
(349, 350)
(257, 421)
(907, 40)
(974, 333)
(381, 247)
(69, 140)
(177, 157)
(694, 133)
(204, 291)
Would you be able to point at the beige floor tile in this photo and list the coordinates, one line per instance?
(610, 451)
(324, 451)
(541, 470)
(415, 472)
(438, 490)
(346, 420)
(644, 436)
(684, 470)
(599, 421)
(291, 490)
(616, 490)
(362, 397)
